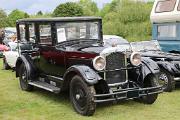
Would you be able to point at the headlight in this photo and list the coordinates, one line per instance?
(135, 59)
(99, 63)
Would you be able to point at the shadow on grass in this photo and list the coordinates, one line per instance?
(63, 97)
(177, 85)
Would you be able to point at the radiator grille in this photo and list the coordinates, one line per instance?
(115, 61)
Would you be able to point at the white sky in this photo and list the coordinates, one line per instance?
(33, 6)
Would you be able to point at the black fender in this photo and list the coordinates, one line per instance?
(149, 67)
(88, 74)
(27, 61)
(169, 67)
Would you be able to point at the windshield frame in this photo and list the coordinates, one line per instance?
(99, 31)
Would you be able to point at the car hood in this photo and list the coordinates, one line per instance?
(160, 54)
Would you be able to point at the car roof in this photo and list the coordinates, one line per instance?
(58, 19)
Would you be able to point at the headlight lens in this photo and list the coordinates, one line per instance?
(99, 63)
(135, 59)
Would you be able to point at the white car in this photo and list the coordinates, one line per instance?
(113, 40)
(10, 57)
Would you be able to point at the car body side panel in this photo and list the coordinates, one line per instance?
(88, 74)
(169, 67)
(32, 70)
(11, 57)
(149, 67)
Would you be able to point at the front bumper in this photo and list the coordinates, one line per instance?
(125, 94)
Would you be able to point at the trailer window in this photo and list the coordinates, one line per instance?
(167, 31)
(165, 6)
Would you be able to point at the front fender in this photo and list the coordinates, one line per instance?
(27, 61)
(149, 67)
(169, 67)
(88, 74)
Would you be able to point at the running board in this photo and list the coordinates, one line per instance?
(45, 86)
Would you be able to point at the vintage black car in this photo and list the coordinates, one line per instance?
(169, 63)
(68, 55)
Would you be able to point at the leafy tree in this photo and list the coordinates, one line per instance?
(68, 9)
(89, 7)
(15, 15)
(39, 13)
(127, 18)
(3, 18)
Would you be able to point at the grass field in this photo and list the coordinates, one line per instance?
(16, 104)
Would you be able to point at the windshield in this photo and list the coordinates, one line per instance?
(145, 46)
(77, 30)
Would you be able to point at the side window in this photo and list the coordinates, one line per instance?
(32, 36)
(165, 6)
(22, 32)
(167, 31)
(45, 34)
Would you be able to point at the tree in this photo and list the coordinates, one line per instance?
(68, 9)
(3, 18)
(89, 7)
(15, 15)
(127, 18)
(39, 13)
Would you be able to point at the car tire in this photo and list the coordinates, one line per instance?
(23, 79)
(82, 96)
(167, 81)
(5, 64)
(150, 81)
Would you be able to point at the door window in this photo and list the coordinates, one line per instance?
(45, 34)
(32, 36)
(22, 32)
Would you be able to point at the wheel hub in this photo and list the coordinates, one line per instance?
(78, 96)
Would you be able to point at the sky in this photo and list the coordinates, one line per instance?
(33, 6)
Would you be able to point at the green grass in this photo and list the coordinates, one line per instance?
(16, 104)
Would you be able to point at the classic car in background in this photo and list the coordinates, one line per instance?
(169, 63)
(10, 56)
(72, 57)
(10, 35)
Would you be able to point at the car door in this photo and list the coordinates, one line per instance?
(51, 60)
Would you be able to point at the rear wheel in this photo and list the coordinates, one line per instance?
(167, 81)
(150, 81)
(5, 64)
(23, 79)
(82, 96)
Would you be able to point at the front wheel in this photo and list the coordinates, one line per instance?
(150, 81)
(82, 96)
(23, 79)
(167, 81)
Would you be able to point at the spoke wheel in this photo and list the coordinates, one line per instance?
(167, 81)
(23, 78)
(82, 96)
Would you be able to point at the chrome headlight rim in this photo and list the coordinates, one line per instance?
(132, 58)
(95, 65)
